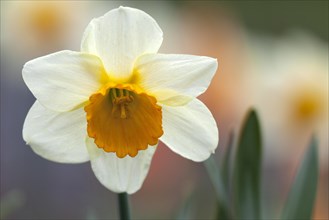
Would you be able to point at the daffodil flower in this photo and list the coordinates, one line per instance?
(112, 102)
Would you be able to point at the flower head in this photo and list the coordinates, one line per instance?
(290, 89)
(112, 102)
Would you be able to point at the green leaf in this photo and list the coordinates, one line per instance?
(221, 192)
(247, 169)
(222, 213)
(187, 209)
(226, 165)
(300, 201)
(215, 177)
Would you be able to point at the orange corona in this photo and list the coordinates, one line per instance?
(123, 121)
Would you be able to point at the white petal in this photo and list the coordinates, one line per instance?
(120, 174)
(59, 137)
(190, 130)
(172, 73)
(61, 81)
(119, 37)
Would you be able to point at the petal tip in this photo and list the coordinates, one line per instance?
(214, 61)
(121, 8)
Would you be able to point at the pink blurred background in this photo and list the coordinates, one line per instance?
(271, 56)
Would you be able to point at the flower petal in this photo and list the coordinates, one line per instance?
(61, 81)
(174, 74)
(119, 37)
(58, 137)
(120, 174)
(190, 130)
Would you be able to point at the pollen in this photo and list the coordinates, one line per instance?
(123, 121)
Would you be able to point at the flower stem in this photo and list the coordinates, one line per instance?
(124, 206)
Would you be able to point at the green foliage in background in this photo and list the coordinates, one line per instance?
(242, 201)
(301, 197)
(247, 167)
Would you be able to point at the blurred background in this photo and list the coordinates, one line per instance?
(272, 55)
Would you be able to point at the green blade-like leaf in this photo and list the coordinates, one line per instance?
(217, 181)
(247, 170)
(300, 202)
(222, 213)
(215, 175)
(187, 209)
(226, 165)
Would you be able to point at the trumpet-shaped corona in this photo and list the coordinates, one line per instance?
(123, 121)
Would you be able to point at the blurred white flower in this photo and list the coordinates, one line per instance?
(31, 28)
(291, 92)
(118, 97)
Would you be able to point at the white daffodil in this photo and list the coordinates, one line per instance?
(113, 101)
(291, 92)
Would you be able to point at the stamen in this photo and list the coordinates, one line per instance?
(120, 97)
(123, 111)
(114, 93)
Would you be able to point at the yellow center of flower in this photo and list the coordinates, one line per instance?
(123, 121)
(46, 19)
(308, 106)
